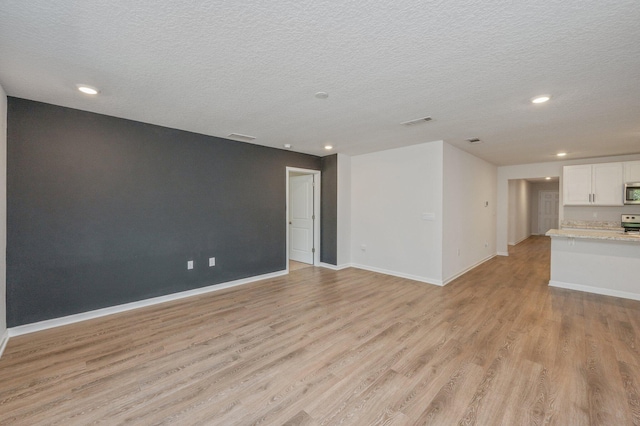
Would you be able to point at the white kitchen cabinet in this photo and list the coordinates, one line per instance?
(595, 265)
(593, 185)
(576, 185)
(632, 171)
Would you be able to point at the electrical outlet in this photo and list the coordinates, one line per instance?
(458, 252)
(212, 261)
(486, 244)
(363, 247)
(190, 264)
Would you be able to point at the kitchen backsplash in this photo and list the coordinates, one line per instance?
(599, 214)
(591, 224)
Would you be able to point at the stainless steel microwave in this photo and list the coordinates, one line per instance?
(632, 193)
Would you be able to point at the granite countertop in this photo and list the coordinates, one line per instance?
(594, 234)
(591, 224)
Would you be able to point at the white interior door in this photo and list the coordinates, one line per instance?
(548, 207)
(301, 218)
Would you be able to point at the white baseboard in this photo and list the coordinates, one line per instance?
(3, 341)
(426, 280)
(459, 274)
(519, 241)
(84, 316)
(595, 290)
(335, 267)
(503, 253)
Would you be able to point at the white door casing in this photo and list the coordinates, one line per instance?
(296, 171)
(548, 209)
(301, 241)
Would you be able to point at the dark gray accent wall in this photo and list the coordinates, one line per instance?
(329, 210)
(104, 211)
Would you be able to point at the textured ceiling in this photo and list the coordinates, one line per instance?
(252, 67)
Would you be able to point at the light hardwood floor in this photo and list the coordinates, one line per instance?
(497, 346)
(294, 266)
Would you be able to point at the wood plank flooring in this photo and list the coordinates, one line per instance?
(320, 347)
(294, 266)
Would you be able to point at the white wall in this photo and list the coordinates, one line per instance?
(519, 211)
(344, 211)
(536, 170)
(390, 191)
(3, 214)
(469, 211)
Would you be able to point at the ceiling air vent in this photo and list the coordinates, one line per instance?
(242, 138)
(474, 141)
(417, 121)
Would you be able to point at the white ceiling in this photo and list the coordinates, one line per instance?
(253, 67)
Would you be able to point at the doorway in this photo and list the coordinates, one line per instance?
(303, 216)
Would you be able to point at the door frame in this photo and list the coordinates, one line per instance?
(316, 211)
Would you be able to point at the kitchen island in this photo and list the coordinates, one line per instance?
(596, 261)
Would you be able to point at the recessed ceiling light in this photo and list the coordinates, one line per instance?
(328, 147)
(540, 99)
(322, 95)
(548, 178)
(287, 145)
(89, 90)
(561, 154)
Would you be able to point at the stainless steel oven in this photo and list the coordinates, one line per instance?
(631, 223)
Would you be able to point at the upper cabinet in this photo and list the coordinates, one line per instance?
(593, 185)
(608, 186)
(632, 171)
(576, 185)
